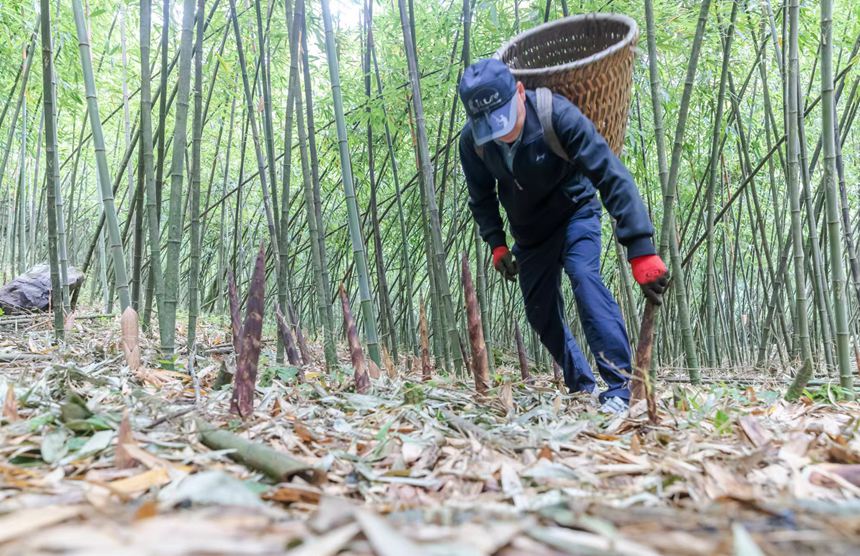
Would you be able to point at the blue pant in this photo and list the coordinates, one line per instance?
(576, 248)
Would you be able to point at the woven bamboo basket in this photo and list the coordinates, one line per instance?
(587, 58)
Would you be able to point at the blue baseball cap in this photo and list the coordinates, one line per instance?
(488, 91)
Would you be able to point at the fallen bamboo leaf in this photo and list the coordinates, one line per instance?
(832, 474)
(753, 430)
(122, 459)
(743, 543)
(512, 486)
(385, 540)
(148, 460)
(130, 338)
(276, 465)
(210, 488)
(148, 509)
(329, 544)
(289, 493)
(480, 363)
(54, 446)
(24, 522)
(140, 483)
(635, 445)
(10, 405)
(356, 355)
(581, 542)
(245, 381)
(303, 432)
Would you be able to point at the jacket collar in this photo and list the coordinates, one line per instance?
(531, 129)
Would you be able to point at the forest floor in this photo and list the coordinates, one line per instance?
(412, 468)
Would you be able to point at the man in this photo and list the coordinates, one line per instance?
(554, 217)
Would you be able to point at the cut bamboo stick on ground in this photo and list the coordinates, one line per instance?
(275, 465)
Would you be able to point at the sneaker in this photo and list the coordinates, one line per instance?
(613, 406)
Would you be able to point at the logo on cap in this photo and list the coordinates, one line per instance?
(480, 103)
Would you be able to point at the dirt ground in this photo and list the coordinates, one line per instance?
(412, 468)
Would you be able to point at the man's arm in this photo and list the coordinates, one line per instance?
(483, 200)
(590, 152)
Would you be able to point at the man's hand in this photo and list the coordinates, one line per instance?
(504, 262)
(651, 274)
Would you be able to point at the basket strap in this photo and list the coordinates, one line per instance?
(544, 111)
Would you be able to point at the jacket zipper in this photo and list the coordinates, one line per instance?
(511, 172)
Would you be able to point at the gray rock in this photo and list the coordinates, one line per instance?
(31, 291)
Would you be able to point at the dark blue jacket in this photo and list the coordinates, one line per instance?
(544, 190)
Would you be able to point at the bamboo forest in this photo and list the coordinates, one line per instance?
(429, 277)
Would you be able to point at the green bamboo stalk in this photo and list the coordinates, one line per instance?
(101, 158)
(310, 186)
(480, 248)
(222, 228)
(816, 260)
(801, 319)
(34, 194)
(314, 162)
(21, 196)
(156, 279)
(710, 290)
(439, 268)
(177, 174)
(284, 297)
(406, 273)
(153, 229)
(668, 237)
(389, 330)
(126, 128)
(25, 74)
(268, 129)
(831, 191)
(196, 135)
(252, 120)
(62, 249)
(52, 168)
(349, 191)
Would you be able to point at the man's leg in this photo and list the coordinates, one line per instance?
(540, 281)
(598, 311)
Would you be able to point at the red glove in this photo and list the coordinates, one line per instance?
(504, 262)
(651, 274)
(498, 253)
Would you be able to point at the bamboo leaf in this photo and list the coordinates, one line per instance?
(124, 437)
